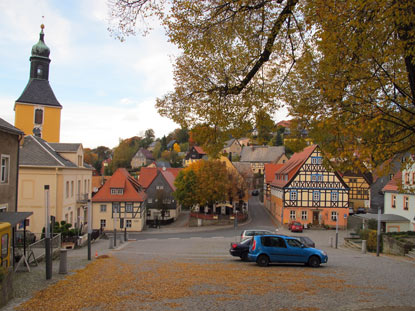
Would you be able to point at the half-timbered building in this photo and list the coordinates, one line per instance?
(119, 204)
(359, 193)
(307, 191)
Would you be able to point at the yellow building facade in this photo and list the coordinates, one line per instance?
(69, 183)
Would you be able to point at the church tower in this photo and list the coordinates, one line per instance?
(37, 111)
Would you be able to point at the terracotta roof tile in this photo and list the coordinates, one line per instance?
(291, 167)
(148, 174)
(270, 169)
(199, 150)
(132, 191)
(392, 185)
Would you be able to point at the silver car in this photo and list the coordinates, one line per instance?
(248, 234)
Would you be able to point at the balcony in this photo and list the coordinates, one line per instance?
(82, 198)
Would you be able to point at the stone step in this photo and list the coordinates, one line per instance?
(411, 254)
(350, 244)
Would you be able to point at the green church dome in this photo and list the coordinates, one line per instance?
(40, 49)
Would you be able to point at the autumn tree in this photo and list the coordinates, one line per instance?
(227, 71)
(186, 183)
(202, 182)
(356, 86)
(344, 66)
(265, 127)
(124, 152)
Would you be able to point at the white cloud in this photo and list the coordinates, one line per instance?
(94, 126)
(6, 108)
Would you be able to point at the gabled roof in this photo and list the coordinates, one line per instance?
(7, 127)
(37, 152)
(229, 142)
(65, 147)
(38, 91)
(170, 176)
(171, 143)
(284, 123)
(199, 150)
(120, 179)
(392, 185)
(270, 169)
(148, 174)
(244, 168)
(291, 167)
(146, 153)
(262, 154)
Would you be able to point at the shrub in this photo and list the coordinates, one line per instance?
(372, 224)
(372, 241)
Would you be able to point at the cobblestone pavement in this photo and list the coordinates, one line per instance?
(350, 280)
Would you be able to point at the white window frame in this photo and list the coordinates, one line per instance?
(334, 196)
(292, 215)
(103, 223)
(5, 169)
(334, 215)
(128, 223)
(115, 191)
(293, 195)
(103, 208)
(315, 194)
(304, 215)
(316, 160)
(128, 207)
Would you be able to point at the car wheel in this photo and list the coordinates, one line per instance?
(314, 261)
(263, 260)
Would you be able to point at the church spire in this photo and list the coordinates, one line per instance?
(39, 61)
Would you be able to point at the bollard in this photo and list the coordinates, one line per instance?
(63, 261)
(363, 246)
(111, 243)
(331, 241)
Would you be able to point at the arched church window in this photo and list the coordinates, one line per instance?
(38, 116)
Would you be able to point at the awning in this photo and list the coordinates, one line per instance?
(14, 218)
(383, 217)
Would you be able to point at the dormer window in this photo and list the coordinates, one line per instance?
(117, 191)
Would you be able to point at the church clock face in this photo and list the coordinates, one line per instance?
(37, 132)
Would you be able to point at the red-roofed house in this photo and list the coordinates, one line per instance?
(400, 200)
(120, 202)
(306, 191)
(194, 154)
(159, 186)
(269, 175)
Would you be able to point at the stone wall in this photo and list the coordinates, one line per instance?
(395, 247)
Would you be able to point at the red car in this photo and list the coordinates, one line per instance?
(295, 226)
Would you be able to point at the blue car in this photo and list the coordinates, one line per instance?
(265, 249)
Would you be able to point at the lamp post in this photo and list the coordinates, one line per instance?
(48, 257)
(337, 228)
(378, 235)
(89, 229)
(115, 210)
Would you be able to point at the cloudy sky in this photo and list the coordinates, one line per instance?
(107, 88)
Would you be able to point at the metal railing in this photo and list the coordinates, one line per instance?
(36, 250)
(82, 197)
